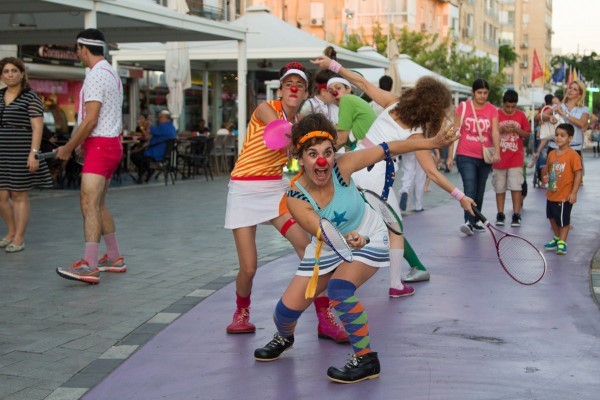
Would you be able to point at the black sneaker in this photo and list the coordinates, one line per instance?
(467, 229)
(274, 348)
(479, 227)
(516, 220)
(356, 369)
(500, 218)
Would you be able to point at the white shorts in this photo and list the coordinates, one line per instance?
(508, 179)
(375, 254)
(250, 203)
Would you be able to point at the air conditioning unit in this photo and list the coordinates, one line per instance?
(524, 45)
(316, 21)
(524, 64)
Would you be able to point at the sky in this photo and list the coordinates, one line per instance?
(576, 26)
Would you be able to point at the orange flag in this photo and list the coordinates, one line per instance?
(536, 70)
(570, 75)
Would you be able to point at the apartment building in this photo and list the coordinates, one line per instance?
(526, 25)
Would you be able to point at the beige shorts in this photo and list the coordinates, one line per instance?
(508, 179)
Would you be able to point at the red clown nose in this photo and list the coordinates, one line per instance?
(294, 89)
(321, 161)
(334, 93)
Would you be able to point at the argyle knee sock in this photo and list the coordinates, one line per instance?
(351, 313)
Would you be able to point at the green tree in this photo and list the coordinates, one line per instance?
(507, 56)
(441, 56)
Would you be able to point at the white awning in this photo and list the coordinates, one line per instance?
(271, 43)
(59, 22)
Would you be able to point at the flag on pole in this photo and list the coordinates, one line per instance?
(547, 73)
(536, 70)
(570, 76)
(560, 74)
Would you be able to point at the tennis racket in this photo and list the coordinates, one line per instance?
(385, 211)
(45, 156)
(335, 240)
(521, 260)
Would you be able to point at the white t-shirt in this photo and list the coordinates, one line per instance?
(316, 105)
(103, 84)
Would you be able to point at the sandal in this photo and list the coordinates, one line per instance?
(14, 248)
(5, 242)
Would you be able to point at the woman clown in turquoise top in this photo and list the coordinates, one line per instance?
(323, 188)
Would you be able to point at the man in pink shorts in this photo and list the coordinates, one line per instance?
(99, 126)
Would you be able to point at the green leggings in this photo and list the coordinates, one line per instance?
(410, 256)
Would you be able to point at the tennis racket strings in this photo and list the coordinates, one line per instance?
(335, 240)
(521, 259)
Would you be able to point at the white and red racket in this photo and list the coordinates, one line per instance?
(521, 260)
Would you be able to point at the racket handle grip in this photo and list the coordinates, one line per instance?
(45, 156)
(367, 240)
(479, 214)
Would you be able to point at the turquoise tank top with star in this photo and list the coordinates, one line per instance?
(345, 209)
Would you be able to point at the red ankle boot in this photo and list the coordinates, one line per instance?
(328, 327)
(241, 322)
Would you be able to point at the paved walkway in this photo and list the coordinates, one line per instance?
(469, 333)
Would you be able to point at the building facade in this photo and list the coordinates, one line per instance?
(526, 26)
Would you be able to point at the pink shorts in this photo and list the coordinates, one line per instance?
(102, 155)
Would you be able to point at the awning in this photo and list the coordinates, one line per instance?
(59, 21)
(271, 43)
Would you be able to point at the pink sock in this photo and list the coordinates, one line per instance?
(112, 247)
(91, 254)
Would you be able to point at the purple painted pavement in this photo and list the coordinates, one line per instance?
(469, 333)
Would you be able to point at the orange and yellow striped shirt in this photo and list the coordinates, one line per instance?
(256, 161)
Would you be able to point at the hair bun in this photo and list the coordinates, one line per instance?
(294, 65)
(330, 52)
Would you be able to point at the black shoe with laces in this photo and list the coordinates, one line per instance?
(516, 220)
(500, 218)
(274, 348)
(356, 369)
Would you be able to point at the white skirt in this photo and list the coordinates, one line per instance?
(250, 203)
(375, 254)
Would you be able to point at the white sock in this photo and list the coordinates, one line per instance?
(396, 259)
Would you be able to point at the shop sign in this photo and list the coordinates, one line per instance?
(49, 54)
(130, 72)
(49, 86)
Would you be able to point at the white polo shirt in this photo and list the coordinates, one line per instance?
(103, 84)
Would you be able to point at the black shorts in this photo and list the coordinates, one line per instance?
(560, 212)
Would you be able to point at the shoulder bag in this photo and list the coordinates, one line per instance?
(547, 128)
(488, 152)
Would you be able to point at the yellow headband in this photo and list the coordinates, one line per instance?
(314, 134)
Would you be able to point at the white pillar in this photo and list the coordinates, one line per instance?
(242, 66)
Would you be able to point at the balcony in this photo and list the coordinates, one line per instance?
(199, 9)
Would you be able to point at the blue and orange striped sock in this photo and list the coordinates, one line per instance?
(351, 313)
(285, 319)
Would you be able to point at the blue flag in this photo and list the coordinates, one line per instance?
(559, 74)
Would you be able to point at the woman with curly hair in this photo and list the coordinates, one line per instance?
(256, 196)
(324, 189)
(418, 113)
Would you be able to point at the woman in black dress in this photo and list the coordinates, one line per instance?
(21, 125)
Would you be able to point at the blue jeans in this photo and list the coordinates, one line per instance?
(474, 173)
